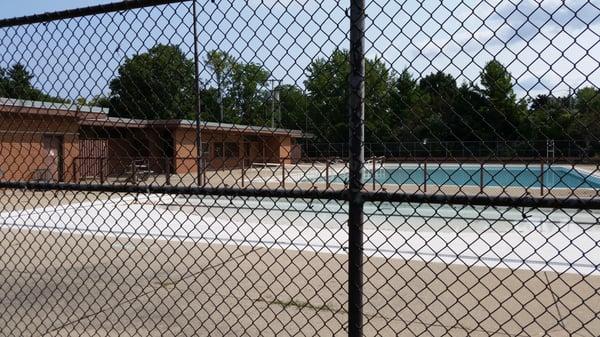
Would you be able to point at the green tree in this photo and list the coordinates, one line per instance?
(240, 95)
(157, 84)
(293, 104)
(470, 107)
(586, 123)
(328, 96)
(442, 93)
(327, 87)
(16, 82)
(502, 110)
(549, 117)
(379, 92)
(221, 64)
(412, 121)
(98, 100)
(3, 83)
(248, 93)
(19, 83)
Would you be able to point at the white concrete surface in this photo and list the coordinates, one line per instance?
(561, 241)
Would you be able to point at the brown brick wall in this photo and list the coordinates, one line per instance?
(21, 137)
(276, 148)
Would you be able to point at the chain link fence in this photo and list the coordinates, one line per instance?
(301, 168)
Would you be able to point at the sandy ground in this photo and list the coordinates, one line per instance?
(57, 282)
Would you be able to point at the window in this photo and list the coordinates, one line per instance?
(231, 150)
(218, 150)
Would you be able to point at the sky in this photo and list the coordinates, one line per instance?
(548, 46)
(9, 9)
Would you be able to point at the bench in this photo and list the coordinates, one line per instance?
(139, 171)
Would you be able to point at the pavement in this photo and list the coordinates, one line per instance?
(64, 273)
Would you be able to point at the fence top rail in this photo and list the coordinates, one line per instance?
(84, 11)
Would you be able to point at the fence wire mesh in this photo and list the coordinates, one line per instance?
(301, 168)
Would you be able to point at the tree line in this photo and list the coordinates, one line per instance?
(160, 84)
(15, 82)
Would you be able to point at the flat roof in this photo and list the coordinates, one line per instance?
(190, 124)
(49, 108)
(98, 117)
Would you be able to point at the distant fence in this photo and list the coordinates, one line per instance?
(488, 150)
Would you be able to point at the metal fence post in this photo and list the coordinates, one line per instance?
(327, 184)
(357, 158)
(168, 171)
(283, 173)
(75, 170)
(243, 173)
(542, 178)
(101, 170)
(374, 174)
(481, 178)
(425, 176)
(199, 151)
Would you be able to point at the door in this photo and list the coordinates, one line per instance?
(52, 152)
(92, 161)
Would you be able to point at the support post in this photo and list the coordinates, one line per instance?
(373, 178)
(75, 170)
(199, 151)
(168, 171)
(425, 176)
(357, 158)
(542, 178)
(327, 184)
(101, 170)
(481, 178)
(243, 173)
(283, 173)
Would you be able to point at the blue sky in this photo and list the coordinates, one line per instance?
(549, 45)
(10, 9)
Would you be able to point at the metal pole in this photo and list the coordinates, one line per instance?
(425, 176)
(199, 151)
(327, 163)
(481, 178)
(221, 115)
(101, 170)
(279, 104)
(75, 170)
(167, 171)
(357, 158)
(283, 173)
(272, 102)
(542, 178)
(373, 174)
(243, 173)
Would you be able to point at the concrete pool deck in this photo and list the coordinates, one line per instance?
(70, 276)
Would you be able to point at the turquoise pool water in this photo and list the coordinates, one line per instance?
(555, 176)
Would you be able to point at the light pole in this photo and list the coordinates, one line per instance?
(274, 96)
(220, 98)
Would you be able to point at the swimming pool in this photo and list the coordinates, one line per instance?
(494, 175)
